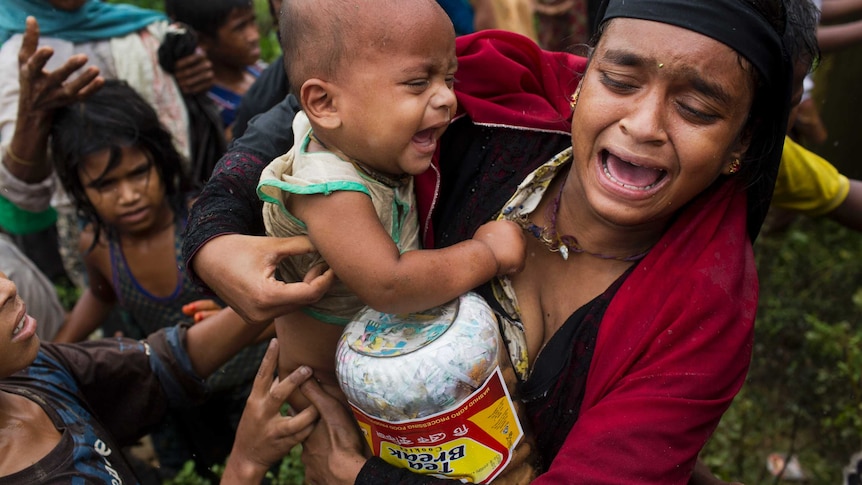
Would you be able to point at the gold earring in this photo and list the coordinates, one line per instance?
(734, 166)
(574, 99)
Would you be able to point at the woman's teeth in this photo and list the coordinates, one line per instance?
(638, 178)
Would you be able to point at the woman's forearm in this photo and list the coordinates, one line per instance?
(26, 155)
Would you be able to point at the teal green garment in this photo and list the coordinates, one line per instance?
(17, 221)
(93, 21)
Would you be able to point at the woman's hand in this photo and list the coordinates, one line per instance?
(241, 271)
(333, 453)
(264, 436)
(41, 92)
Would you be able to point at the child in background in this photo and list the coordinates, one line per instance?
(375, 84)
(228, 33)
(806, 182)
(118, 164)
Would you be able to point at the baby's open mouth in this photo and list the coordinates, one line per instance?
(425, 137)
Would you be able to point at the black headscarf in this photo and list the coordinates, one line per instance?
(756, 36)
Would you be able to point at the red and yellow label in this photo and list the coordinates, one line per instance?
(472, 441)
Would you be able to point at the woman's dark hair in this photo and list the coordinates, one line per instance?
(800, 38)
(114, 117)
(204, 16)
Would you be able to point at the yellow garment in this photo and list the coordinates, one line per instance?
(807, 183)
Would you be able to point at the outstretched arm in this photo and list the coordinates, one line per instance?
(42, 92)
(194, 73)
(345, 228)
(333, 452)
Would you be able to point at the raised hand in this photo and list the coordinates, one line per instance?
(41, 92)
(46, 90)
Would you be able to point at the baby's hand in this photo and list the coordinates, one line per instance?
(506, 241)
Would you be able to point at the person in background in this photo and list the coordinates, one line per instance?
(462, 15)
(76, 405)
(228, 33)
(834, 33)
(34, 286)
(562, 25)
(270, 88)
(808, 184)
(114, 41)
(116, 162)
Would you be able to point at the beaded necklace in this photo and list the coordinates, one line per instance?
(564, 244)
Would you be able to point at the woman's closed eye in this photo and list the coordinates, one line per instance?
(695, 114)
(617, 83)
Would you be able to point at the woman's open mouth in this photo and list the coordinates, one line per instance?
(629, 175)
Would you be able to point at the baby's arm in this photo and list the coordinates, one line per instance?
(345, 229)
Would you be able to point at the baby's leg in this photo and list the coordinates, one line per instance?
(303, 340)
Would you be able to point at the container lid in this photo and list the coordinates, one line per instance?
(377, 334)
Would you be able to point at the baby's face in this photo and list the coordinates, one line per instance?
(397, 100)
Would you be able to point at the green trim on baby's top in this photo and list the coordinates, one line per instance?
(324, 188)
(300, 172)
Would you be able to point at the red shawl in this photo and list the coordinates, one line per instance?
(672, 351)
(674, 346)
(505, 79)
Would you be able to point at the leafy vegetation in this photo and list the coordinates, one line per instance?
(289, 472)
(803, 395)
